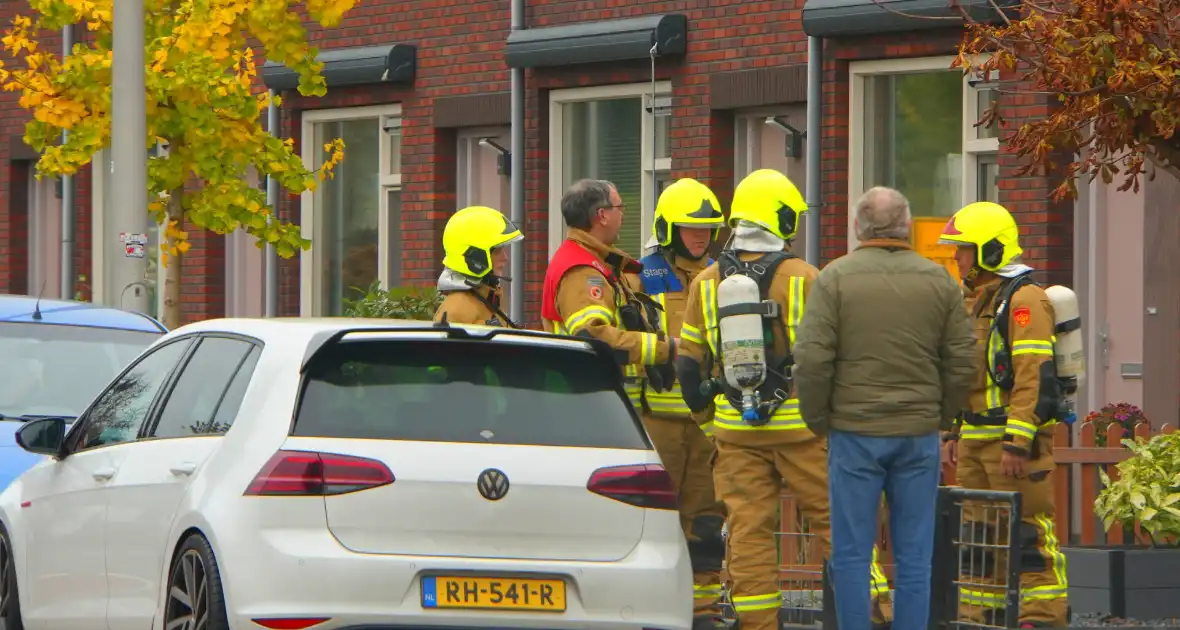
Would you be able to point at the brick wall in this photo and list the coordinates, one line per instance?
(459, 47)
(459, 52)
(1046, 228)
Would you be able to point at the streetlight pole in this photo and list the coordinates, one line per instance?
(127, 214)
(67, 195)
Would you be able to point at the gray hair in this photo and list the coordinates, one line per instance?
(883, 213)
(583, 199)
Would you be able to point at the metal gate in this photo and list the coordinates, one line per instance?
(973, 583)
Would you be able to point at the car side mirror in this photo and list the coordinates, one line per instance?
(43, 437)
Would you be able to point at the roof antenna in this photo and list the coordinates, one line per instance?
(37, 305)
(443, 323)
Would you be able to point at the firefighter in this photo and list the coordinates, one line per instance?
(586, 291)
(1004, 441)
(475, 246)
(761, 439)
(688, 217)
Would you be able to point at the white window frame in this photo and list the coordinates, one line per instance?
(465, 172)
(312, 260)
(663, 166)
(973, 148)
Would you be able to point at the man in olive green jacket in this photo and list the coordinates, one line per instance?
(885, 355)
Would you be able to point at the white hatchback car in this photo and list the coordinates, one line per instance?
(336, 473)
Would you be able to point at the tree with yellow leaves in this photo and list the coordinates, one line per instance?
(201, 102)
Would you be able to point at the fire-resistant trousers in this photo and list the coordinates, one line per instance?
(688, 457)
(1043, 585)
(750, 481)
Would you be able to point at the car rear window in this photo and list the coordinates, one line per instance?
(465, 391)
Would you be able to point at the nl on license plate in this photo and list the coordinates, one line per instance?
(489, 593)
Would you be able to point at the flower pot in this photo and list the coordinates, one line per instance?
(1129, 582)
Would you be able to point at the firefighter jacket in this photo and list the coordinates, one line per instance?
(1011, 416)
(478, 305)
(700, 340)
(583, 295)
(666, 278)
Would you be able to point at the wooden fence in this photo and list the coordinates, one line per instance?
(1077, 485)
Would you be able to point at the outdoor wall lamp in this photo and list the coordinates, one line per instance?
(659, 106)
(795, 137)
(503, 160)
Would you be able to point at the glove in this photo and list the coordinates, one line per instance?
(661, 377)
(688, 370)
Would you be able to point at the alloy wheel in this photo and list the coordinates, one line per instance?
(7, 589)
(188, 595)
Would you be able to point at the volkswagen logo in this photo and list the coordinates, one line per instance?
(492, 484)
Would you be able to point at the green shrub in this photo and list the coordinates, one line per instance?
(1147, 489)
(418, 303)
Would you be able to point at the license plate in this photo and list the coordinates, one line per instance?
(493, 593)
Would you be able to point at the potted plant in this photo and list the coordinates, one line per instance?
(1123, 414)
(1139, 581)
(395, 303)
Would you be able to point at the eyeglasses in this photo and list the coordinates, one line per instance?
(621, 207)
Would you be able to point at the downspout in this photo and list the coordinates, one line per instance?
(516, 214)
(271, 306)
(814, 135)
(67, 195)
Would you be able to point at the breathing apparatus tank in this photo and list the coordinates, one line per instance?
(743, 349)
(1068, 353)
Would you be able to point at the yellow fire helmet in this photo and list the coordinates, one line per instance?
(471, 235)
(990, 228)
(767, 198)
(689, 203)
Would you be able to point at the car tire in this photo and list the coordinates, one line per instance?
(10, 618)
(195, 599)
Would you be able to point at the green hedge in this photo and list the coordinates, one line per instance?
(396, 303)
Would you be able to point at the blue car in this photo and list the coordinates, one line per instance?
(55, 357)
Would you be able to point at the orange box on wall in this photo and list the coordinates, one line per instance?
(927, 230)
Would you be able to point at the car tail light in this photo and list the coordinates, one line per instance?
(643, 485)
(304, 473)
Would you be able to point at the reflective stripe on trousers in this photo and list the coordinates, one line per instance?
(633, 385)
(1059, 590)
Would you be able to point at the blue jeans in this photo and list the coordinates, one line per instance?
(860, 467)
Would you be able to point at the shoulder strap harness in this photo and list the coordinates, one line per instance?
(1000, 367)
(499, 317)
(776, 388)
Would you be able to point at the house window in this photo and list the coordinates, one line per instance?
(761, 140)
(912, 126)
(350, 217)
(483, 168)
(618, 133)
